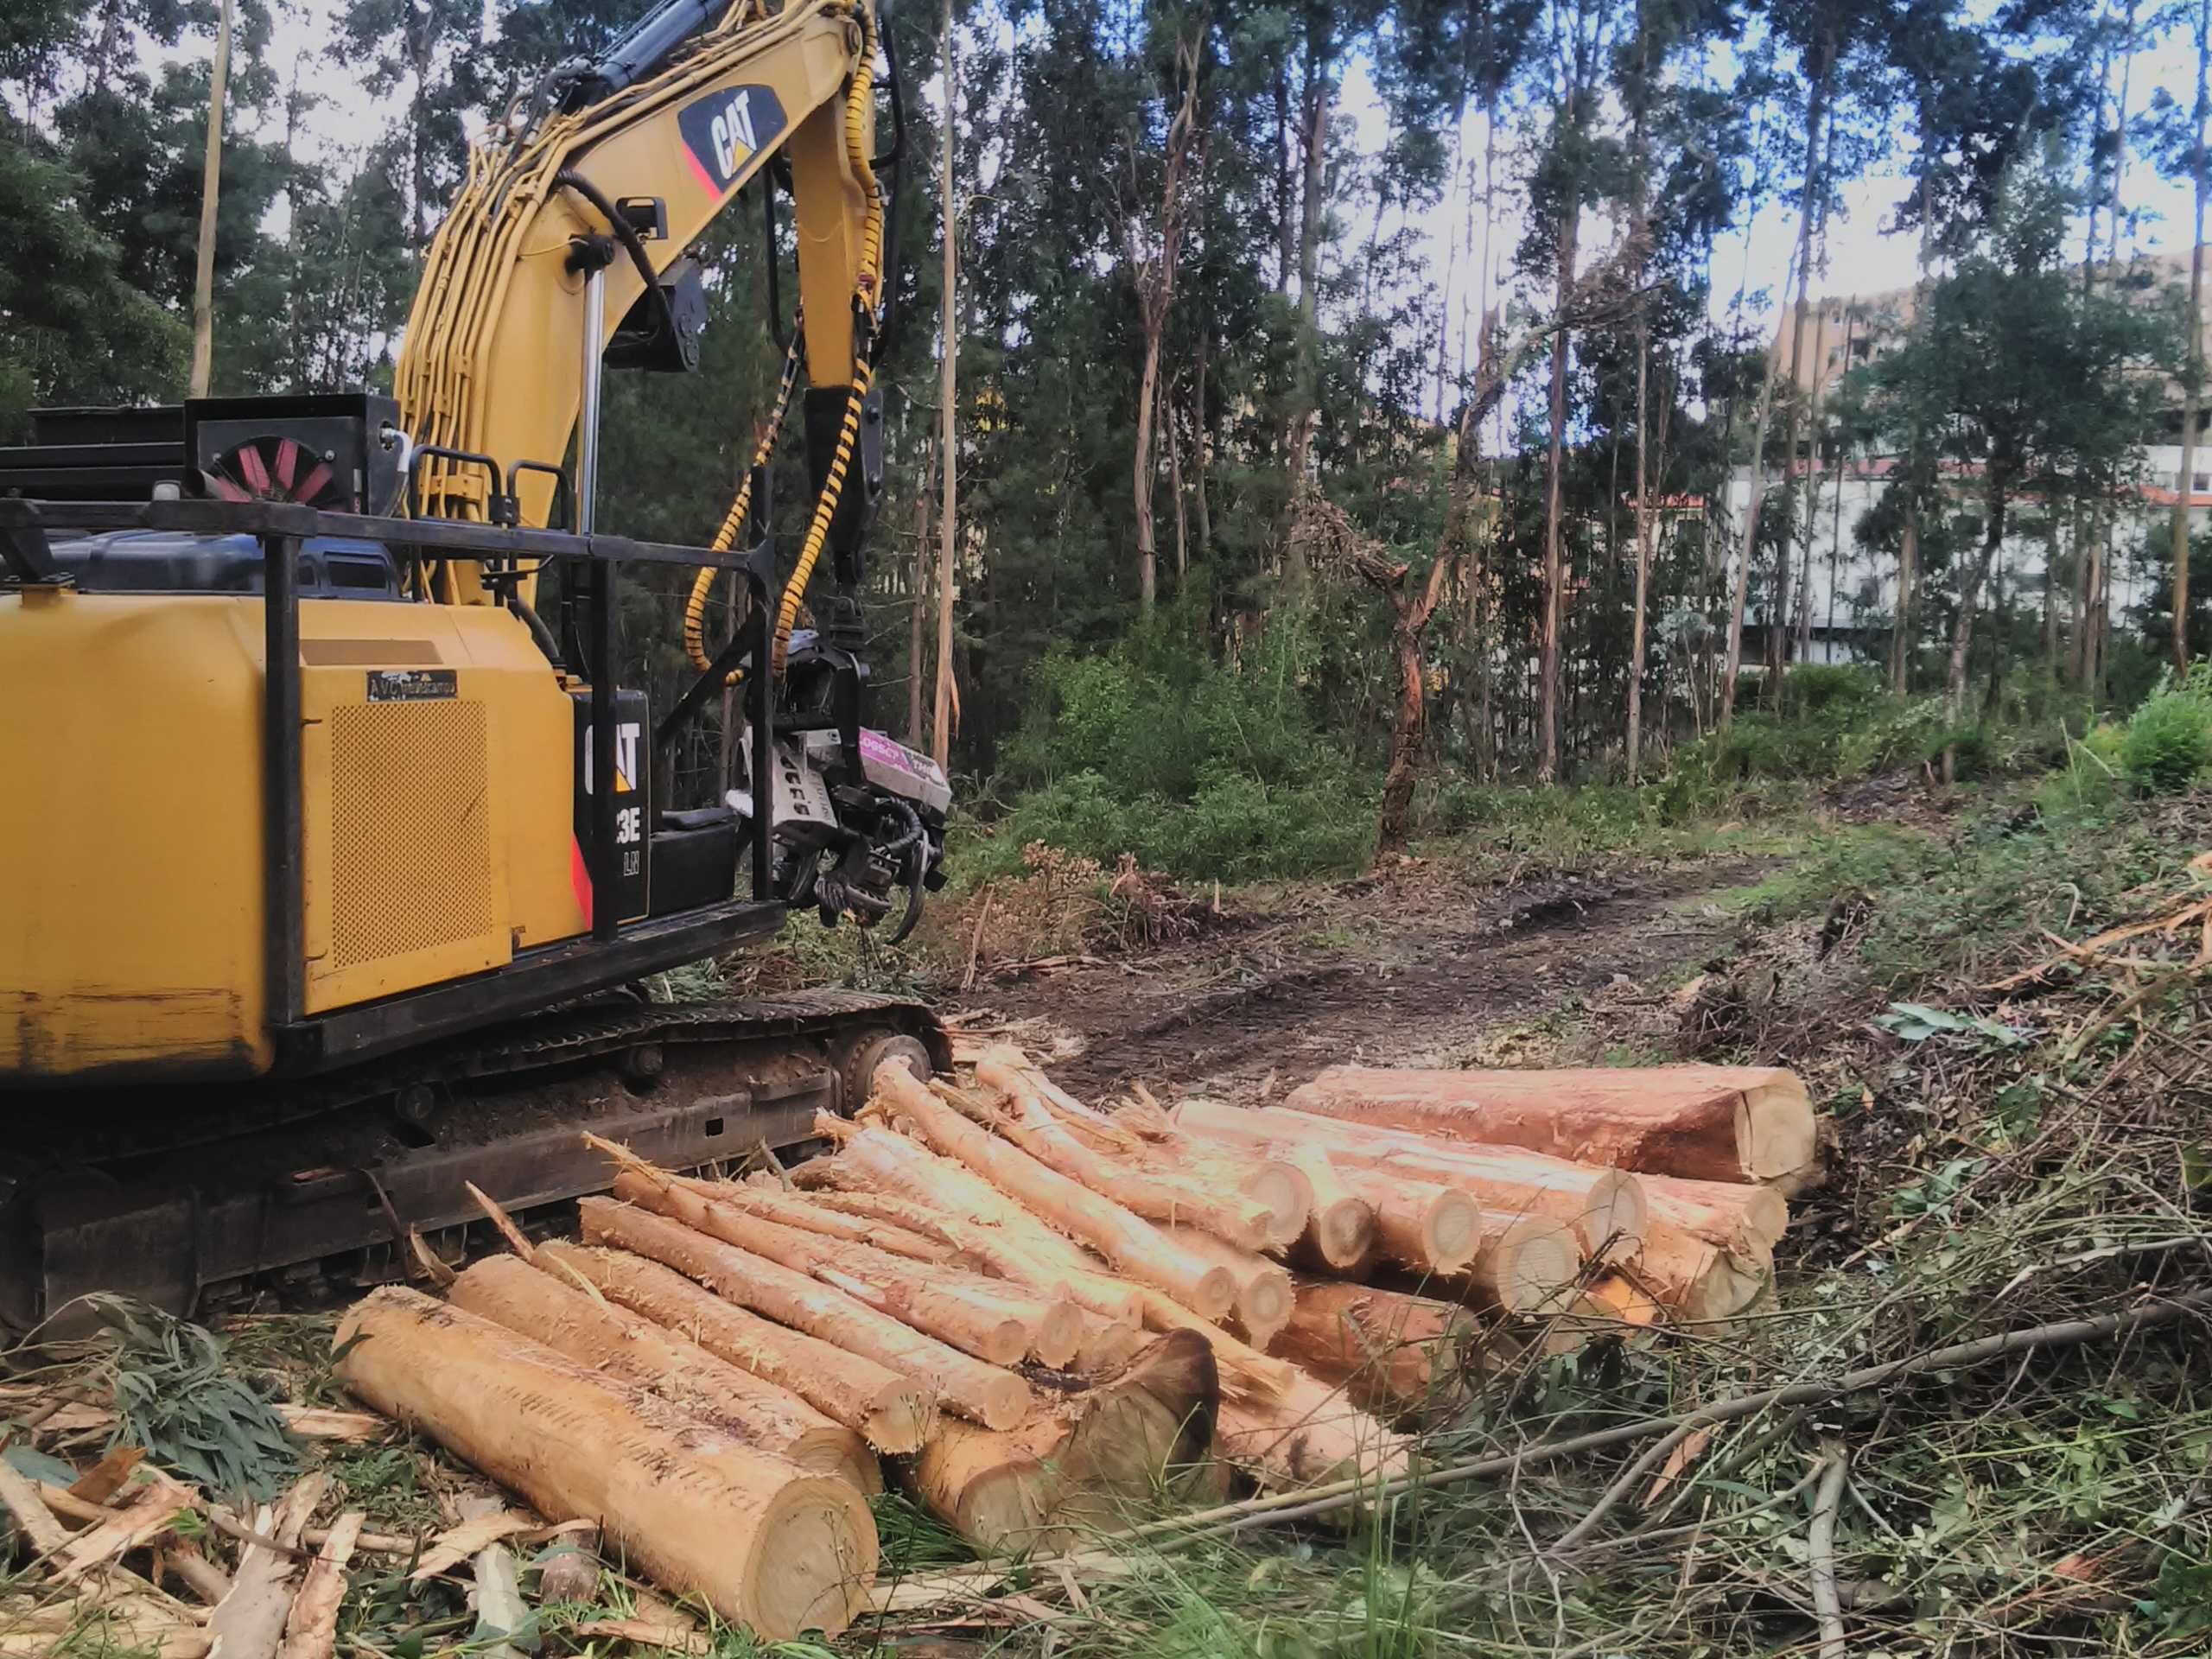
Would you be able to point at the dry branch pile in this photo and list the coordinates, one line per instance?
(1055, 1318)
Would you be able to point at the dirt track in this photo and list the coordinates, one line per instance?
(1407, 968)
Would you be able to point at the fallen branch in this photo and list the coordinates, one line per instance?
(1820, 1544)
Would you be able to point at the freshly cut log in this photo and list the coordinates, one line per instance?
(1153, 1194)
(1133, 1245)
(1396, 1355)
(888, 1408)
(1272, 1182)
(1526, 1263)
(1711, 1122)
(983, 1325)
(1618, 1306)
(1606, 1207)
(1263, 1296)
(1698, 1281)
(629, 1346)
(997, 1231)
(993, 1397)
(1340, 1231)
(1425, 1226)
(1087, 1462)
(1733, 1215)
(1309, 1435)
(1246, 1373)
(762, 1542)
(796, 1209)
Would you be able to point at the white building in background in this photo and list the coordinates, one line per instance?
(1845, 582)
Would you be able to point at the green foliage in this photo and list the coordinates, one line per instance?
(175, 1395)
(1199, 768)
(2169, 742)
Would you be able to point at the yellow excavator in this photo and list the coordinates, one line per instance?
(335, 875)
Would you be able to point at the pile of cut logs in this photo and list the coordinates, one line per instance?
(1050, 1316)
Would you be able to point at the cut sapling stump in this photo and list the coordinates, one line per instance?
(763, 1542)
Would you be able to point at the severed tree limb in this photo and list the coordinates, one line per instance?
(1629, 1480)
(1820, 1543)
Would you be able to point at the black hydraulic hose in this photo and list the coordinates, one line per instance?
(913, 831)
(627, 234)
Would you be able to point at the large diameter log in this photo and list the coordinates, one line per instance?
(1091, 1462)
(1711, 1122)
(1604, 1206)
(1395, 1354)
(1735, 1216)
(1160, 1195)
(629, 1346)
(1698, 1281)
(1263, 1296)
(1527, 1263)
(763, 1542)
(1423, 1226)
(1309, 1435)
(983, 1327)
(984, 1393)
(887, 1409)
(1340, 1225)
(1133, 1245)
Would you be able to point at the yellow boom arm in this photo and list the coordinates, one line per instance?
(492, 360)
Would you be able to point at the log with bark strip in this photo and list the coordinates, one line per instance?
(1710, 1122)
(1698, 1281)
(591, 1330)
(1132, 1244)
(761, 1540)
(990, 1319)
(887, 1409)
(1092, 1461)
(1606, 1207)
(985, 1393)
(1157, 1195)
(1396, 1354)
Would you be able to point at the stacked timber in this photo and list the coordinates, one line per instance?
(1045, 1319)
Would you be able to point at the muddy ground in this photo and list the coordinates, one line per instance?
(1413, 966)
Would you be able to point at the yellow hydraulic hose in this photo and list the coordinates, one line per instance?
(695, 608)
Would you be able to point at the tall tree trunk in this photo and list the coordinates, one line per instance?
(1955, 680)
(918, 607)
(1547, 659)
(2193, 386)
(210, 190)
(1639, 228)
(1754, 498)
(947, 450)
(1809, 202)
(1314, 130)
(1200, 502)
(1901, 637)
(1140, 493)
(1175, 488)
(1286, 228)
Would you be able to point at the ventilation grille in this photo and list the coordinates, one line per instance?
(410, 851)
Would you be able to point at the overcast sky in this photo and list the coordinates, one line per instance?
(1861, 257)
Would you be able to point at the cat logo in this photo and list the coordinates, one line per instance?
(627, 737)
(723, 130)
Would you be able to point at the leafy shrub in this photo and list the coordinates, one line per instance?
(1197, 768)
(1811, 688)
(2169, 740)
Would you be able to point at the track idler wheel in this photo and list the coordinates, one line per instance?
(870, 1050)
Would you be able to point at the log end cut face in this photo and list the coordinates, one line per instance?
(815, 1560)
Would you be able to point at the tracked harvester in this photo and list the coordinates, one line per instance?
(334, 864)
